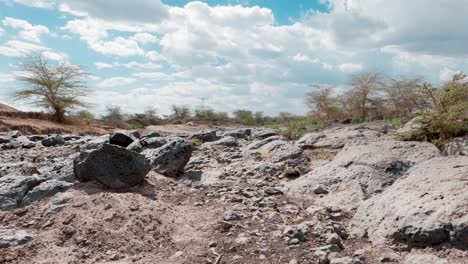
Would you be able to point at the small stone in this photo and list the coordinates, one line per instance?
(212, 244)
(293, 261)
(320, 189)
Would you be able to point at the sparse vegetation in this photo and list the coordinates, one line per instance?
(448, 116)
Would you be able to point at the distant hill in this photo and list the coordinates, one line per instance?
(6, 108)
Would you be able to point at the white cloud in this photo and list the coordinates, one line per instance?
(143, 11)
(1, 31)
(446, 74)
(37, 3)
(129, 65)
(145, 38)
(154, 56)
(27, 31)
(350, 67)
(15, 48)
(115, 82)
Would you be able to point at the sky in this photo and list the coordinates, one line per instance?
(260, 55)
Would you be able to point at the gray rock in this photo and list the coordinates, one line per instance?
(12, 238)
(205, 136)
(71, 137)
(135, 146)
(36, 138)
(14, 134)
(264, 133)
(424, 259)
(457, 146)
(123, 138)
(358, 172)
(25, 142)
(57, 202)
(237, 133)
(338, 137)
(4, 140)
(225, 141)
(18, 168)
(153, 142)
(425, 208)
(112, 166)
(280, 150)
(97, 142)
(320, 189)
(151, 135)
(231, 216)
(14, 188)
(259, 143)
(53, 140)
(171, 158)
(45, 189)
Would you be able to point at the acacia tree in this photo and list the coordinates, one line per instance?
(365, 85)
(405, 96)
(55, 86)
(322, 102)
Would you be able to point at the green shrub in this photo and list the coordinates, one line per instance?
(357, 120)
(396, 122)
(295, 129)
(449, 116)
(137, 126)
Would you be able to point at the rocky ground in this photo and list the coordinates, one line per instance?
(345, 195)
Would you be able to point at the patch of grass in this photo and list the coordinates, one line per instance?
(136, 125)
(295, 129)
(357, 120)
(396, 122)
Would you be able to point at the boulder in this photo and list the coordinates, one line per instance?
(259, 143)
(36, 138)
(205, 136)
(53, 140)
(425, 208)
(457, 146)
(12, 237)
(264, 133)
(97, 142)
(237, 133)
(358, 172)
(25, 142)
(123, 138)
(45, 189)
(171, 158)
(225, 141)
(153, 142)
(151, 135)
(14, 134)
(410, 127)
(112, 166)
(4, 140)
(135, 146)
(336, 138)
(281, 150)
(13, 189)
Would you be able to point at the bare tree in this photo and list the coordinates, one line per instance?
(56, 86)
(322, 102)
(364, 86)
(404, 95)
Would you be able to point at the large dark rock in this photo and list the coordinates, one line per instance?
(205, 136)
(53, 140)
(112, 166)
(123, 138)
(171, 158)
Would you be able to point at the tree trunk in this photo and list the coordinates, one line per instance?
(59, 115)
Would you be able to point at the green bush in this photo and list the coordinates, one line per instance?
(449, 116)
(357, 120)
(296, 128)
(396, 122)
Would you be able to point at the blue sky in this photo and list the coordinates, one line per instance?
(260, 55)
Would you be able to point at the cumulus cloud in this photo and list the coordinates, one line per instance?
(145, 38)
(144, 11)
(15, 48)
(27, 31)
(115, 82)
